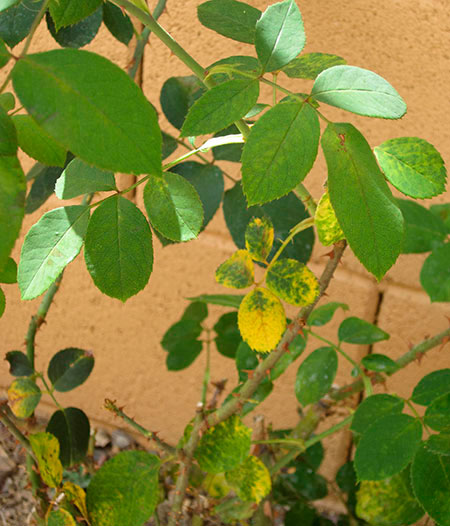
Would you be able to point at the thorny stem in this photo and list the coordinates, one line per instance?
(111, 406)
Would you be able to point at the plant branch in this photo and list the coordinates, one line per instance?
(250, 386)
(111, 406)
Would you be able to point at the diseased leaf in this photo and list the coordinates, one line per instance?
(23, 395)
(261, 319)
(76, 496)
(45, 446)
(230, 18)
(413, 166)
(221, 106)
(435, 274)
(237, 272)
(316, 375)
(173, 207)
(323, 314)
(68, 12)
(49, 246)
(251, 479)
(119, 263)
(259, 236)
(373, 408)
(358, 331)
(177, 96)
(279, 35)
(72, 94)
(309, 65)
(224, 446)
(37, 143)
(360, 91)
(279, 152)
(79, 178)
(292, 281)
(70, 368)
(16, 22)
(326, 222)
(118, 23)
(367, 213)
(60, 518)
(431, 386)
(19, 365)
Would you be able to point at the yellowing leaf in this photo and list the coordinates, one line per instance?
(293, 282)
(45, 446)
(77, 496)
(60, 518)
(259, 238)
(237, 271)
(328, 228)
(261, 319)
(24, 396)
(251, 479)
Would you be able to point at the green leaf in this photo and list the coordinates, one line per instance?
(437, 415)
(261, 319)
(180, 332)
(279, 35)
(196, 311)
(279, 152)
(169, 145)
(177, 96)
(16, 22)
(7, 101)
(388, 502)
(43, 186)
(358, 331)
(124, 491)
(23, 395)
(6, 4)
(46, 449)
(251, 479)
(292, 281)
(224, 446)
(228, 336)
(373, 408)
(79, 34)
(232, 510)
(207, 181)
(19, 365)
(443, 212)
(72, 107)
(70, 368)
(284, 213)
(379, 363)
(68, 12)
(118, 23)
(2, 303)
(120, 264)
(71, 427)
(226, 300)
(296, 348)
(307, 482)
(259, 236)
(12, 203)
(413, 166)
(323, 314)
(423, 229)
(430, 476)
(9, 272)
(431, 386)
(79, 178)
(173, 207)
(309, 65)
(439, 444)
(346, 477)
(360, 91)
(435, 274)
(37, 143)
(49, 246)
(230, 18)
(237, 271)
(8, 136)
(315, 375)
(364, 206)
(60, 518)
(387, 447)
(300, 513)
(221, 106)
(246, 360)
(325, 220)
(183, 355)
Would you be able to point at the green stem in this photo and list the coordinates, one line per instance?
(50, 391)
(274, 95)
(306, 198)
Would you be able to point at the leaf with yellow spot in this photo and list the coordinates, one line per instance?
(76, 496)
(60, 518)
(24, 396)
(237, 272)
(259, 236)
(250, 480)
(293, 282)
(261, 319)
(45, 447)
(328, 228)
(224, 446)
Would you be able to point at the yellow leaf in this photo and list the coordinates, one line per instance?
(293, 282)
(251, 480)
(45, 446)
(77, 496)
(328, 228)
(237, 272)
(259, 236)
(60, 518)
(24, 396)
(261, 319)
